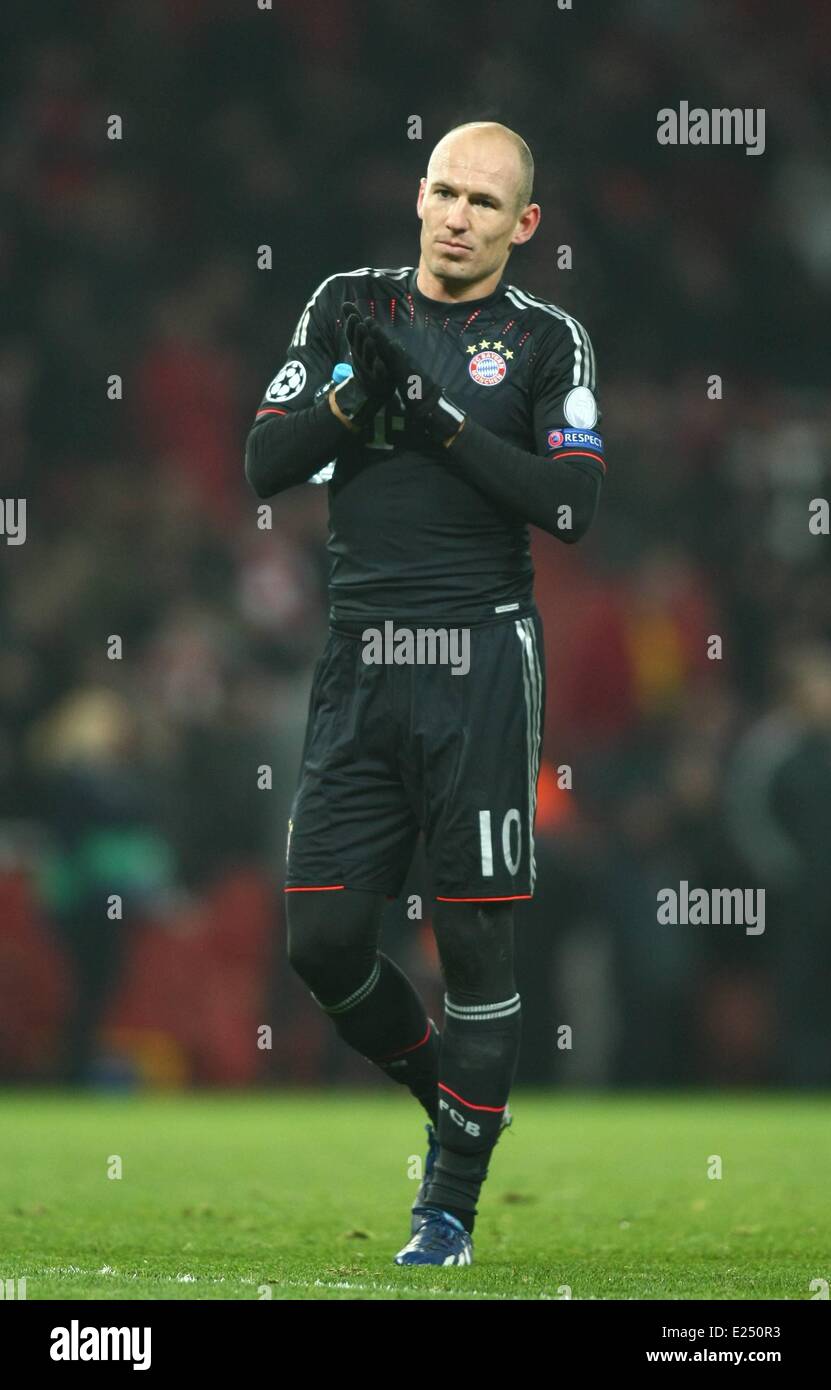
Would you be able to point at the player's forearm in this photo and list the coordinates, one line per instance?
(285, 449)
(558, 496)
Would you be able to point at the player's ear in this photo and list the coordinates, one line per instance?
(422, 189)
(527, 225)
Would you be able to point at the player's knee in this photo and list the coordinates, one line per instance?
(306, 934)
(330, 937)
(476, 949)
(305, 955)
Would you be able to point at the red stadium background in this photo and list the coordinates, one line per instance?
(138, 776)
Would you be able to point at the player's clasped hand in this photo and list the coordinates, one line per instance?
(371, 371)
(370, 386)
(425, 402)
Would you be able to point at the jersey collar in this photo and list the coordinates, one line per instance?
(443, 309)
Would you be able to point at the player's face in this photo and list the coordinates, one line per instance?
(468, 209)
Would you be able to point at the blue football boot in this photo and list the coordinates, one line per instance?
(440, 1239)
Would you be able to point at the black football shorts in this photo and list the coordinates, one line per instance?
(392, 750)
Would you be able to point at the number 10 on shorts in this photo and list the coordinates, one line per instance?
(510, 820)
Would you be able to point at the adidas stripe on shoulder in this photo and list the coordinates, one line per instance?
(302, 329)
(584, 372)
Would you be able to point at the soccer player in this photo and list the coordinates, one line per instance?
(447, 409)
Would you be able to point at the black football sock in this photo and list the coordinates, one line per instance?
(386, 1022)
(479, 1051)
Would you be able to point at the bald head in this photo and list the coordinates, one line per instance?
(499, 150)
(474, 208)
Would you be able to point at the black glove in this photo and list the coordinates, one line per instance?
(370, 386)
(427, 407)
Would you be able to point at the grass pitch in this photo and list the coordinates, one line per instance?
(291, 1195)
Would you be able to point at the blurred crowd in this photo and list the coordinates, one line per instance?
(157, 642)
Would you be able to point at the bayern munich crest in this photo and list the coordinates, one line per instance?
(487, 368)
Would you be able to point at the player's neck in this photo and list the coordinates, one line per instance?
(433, 288)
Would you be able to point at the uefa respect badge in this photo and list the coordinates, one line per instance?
(574, 439)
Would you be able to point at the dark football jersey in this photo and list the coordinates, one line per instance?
(408, 537)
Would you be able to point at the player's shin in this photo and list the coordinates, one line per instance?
(479, 1052)
(386, 1022)
(333, 947)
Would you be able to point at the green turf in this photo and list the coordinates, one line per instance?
(309, 1195)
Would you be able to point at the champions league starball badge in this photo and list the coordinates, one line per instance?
(288, 383)
(487, 368)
